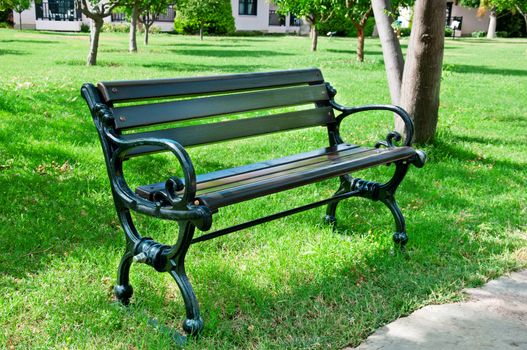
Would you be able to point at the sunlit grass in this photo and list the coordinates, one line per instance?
(291, 283)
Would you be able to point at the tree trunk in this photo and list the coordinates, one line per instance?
(133, 29)
(95, 31)
(314, 38)
(201, 32)
(524, 15)
(147, 29)
(391, 48)
(491, 33)
(360, 44)
(422, 71)
(20, 20)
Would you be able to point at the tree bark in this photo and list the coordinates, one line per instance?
(147, 29)
(201, 32)
(133, 29)
(360, 44)
(491, 33)
(314, 37)
(95, 31)
(391, 48)
(422, 72)
(20, 21)
(524, 15)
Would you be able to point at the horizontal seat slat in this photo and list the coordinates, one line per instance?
(239, 184)
(234, 129)
(281, 182)
(120, 91)
(156, 113)
(201, 179)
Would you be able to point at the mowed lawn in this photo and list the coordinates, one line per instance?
(291, 283)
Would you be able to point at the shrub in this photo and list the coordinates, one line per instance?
(502, 34)
(405, 32)
(344, 27)
(478, 34)
(214, 15)
(116, 27)
(448, 32)
(85, 28)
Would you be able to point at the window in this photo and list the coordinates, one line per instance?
(294, 21)
(247, 7)
(276, 19)
(58, 10)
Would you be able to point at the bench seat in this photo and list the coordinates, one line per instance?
(225, 187)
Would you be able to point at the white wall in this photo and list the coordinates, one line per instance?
(249, 22)
(471, 22)
(28, 18)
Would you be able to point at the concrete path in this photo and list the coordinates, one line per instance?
(494, 318)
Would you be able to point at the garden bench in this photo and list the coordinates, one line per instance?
(193, 200)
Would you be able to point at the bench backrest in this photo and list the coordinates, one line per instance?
(202, 97)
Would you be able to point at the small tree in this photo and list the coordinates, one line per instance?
(206, 13)
(149, 12)
(314, 11)
(96, 11)
(358, 11)
(17, 5)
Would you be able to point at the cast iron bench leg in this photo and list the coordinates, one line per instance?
(345, 186)
(193, 324)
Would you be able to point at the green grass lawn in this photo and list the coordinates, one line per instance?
(291, 283)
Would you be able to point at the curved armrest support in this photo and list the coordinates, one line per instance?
(173, 185)
(409, 125)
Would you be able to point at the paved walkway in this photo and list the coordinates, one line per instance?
(494, 318)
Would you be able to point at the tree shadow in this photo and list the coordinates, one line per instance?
(177, 67)
(366, 53)
(29, 41)
(83, 63)
(465, 68)
(220, 45)
(4, 52)
(230, 53)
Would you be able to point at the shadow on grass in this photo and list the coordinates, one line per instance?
(465, 68)
(354, 52)
(83, 63)
(4, 52)
(176, 67)
(218, 44)
(29, 41)
(230, 53)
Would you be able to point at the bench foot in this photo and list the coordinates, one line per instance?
(123, 290)
(400, 237)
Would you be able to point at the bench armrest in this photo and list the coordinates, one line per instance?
(173, 184)
(409, 125)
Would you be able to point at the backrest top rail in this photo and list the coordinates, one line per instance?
(121, 91)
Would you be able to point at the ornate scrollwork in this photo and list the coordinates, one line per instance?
(392, 135)
(171, 195)
(369, 189)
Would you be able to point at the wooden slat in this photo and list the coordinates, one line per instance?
(120, 91)
(156, 113)
(288, 180)
(203, 180)
(235, 129)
